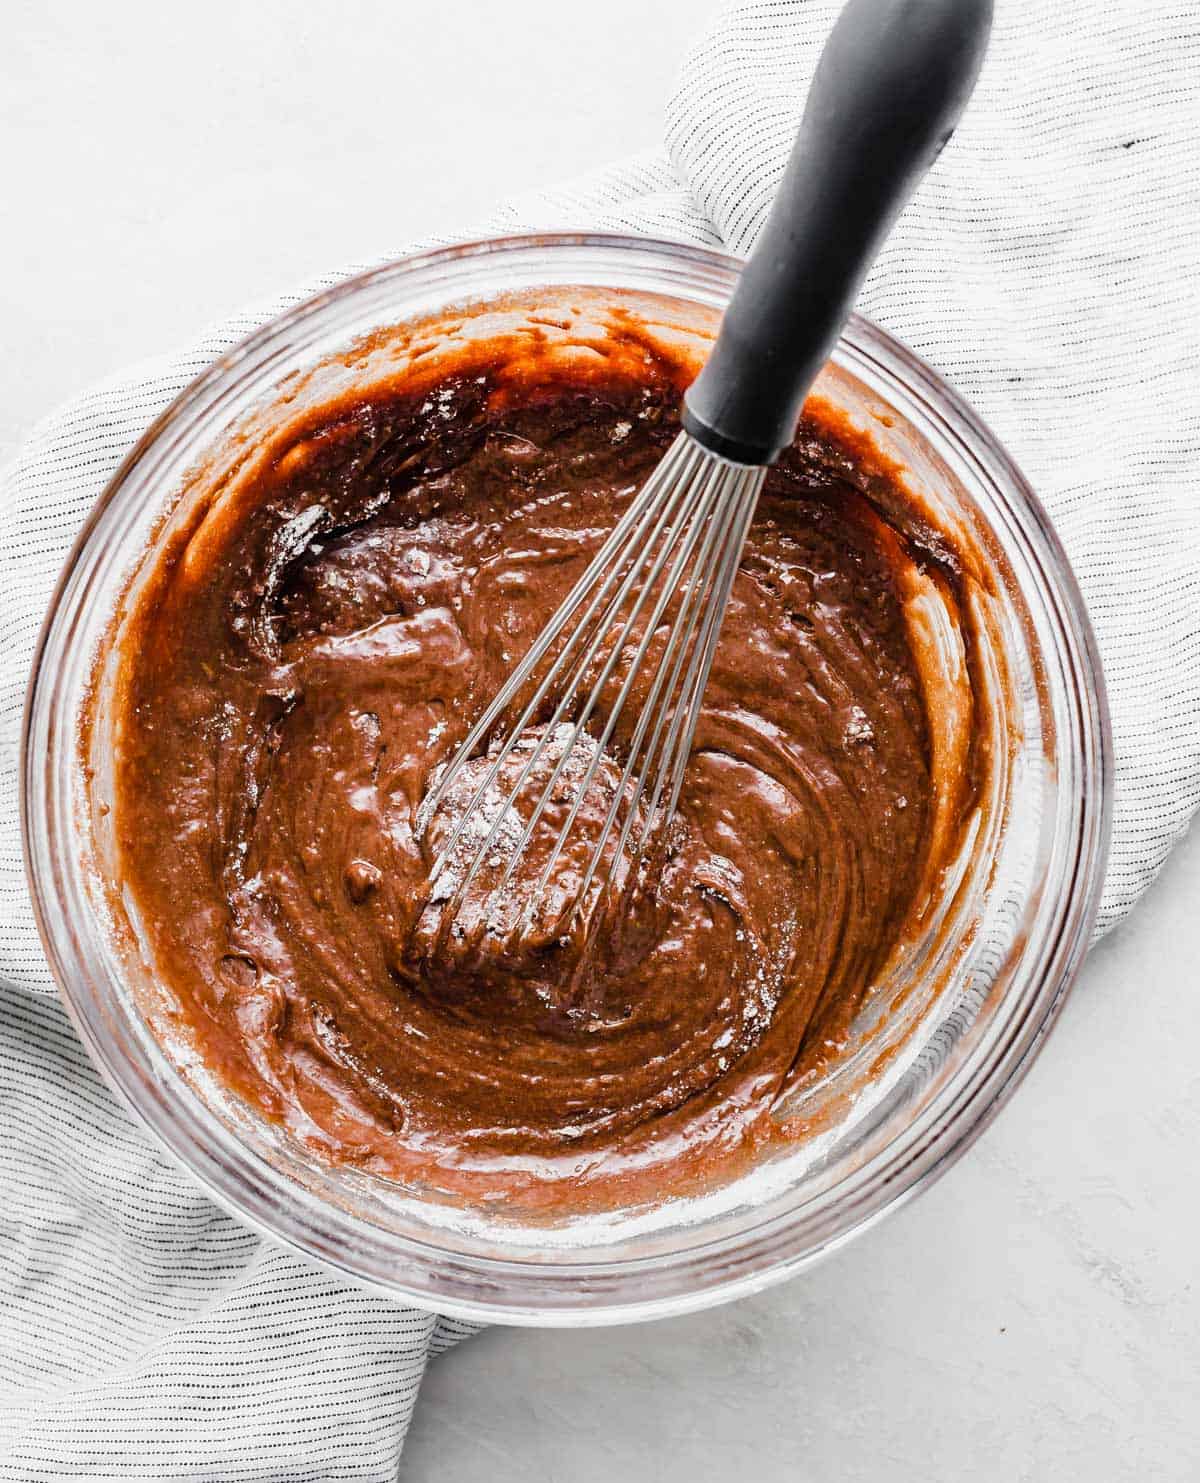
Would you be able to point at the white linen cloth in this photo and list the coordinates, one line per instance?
(1048, 267)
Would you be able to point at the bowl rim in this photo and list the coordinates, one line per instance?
(962, 1111)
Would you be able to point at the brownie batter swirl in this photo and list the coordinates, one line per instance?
(314, 643)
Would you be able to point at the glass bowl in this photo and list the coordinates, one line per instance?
(989, 984)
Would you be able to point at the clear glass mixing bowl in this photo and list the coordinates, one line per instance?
(1009, 947)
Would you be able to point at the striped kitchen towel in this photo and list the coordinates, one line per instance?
(1048, 267)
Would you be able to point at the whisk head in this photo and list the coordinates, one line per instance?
(603, 706)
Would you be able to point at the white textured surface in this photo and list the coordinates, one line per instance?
(171, 163)
(1033, 1315)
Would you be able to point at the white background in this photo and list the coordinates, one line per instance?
(1031, 1317)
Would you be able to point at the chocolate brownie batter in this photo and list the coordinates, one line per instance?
(311, 646)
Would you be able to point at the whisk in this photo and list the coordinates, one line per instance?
(644, 619)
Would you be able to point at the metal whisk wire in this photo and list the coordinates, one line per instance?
(694, 499)
(714, 509)
(628, 531)
(719, 558)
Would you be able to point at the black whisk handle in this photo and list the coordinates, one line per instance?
(888, 90)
